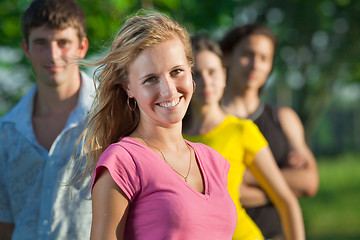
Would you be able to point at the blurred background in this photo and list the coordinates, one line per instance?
(316, 72)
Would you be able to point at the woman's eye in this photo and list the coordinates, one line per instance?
(212, 72)
(150, 80)
(176, 72)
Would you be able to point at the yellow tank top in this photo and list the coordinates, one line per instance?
(238, 141)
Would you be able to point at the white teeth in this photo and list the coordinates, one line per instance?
(170, 104)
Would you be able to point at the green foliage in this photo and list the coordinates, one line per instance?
(317, 56)
(104, 19)
(334, 213)
(10, 22)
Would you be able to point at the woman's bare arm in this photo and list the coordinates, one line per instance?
(304, 181)
(110, 208)
(268, 175)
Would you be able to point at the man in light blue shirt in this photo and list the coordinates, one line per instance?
(38, 136)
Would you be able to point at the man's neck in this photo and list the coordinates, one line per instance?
(52, 108)
(57, 100)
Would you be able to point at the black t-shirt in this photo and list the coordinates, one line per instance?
(267, 119)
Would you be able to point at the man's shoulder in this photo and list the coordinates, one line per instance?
(87, 90)
(87, 81)
(20, 110)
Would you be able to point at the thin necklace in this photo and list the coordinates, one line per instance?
(163, 156)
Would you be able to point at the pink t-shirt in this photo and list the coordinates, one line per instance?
(163, 205)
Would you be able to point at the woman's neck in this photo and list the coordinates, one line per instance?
(158, 135)
(204, 119)
(242, 103)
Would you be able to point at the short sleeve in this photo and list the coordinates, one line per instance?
(122, 169)
(254, 141)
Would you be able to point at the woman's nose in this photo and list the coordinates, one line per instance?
(167, 86)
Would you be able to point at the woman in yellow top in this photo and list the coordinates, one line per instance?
(239, 141)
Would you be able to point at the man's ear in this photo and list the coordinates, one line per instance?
(25, 48)
(84, 46)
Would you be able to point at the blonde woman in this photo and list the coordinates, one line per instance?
(149, 183)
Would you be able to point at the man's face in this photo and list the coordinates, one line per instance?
(52, 53)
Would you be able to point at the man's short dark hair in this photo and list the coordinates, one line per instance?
(55, 14)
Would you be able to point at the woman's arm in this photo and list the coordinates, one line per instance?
(304, 180)
(110, 208)
(301, 172)
(251, 194)
(268, 175)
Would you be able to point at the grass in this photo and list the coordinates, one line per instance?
(334, 213)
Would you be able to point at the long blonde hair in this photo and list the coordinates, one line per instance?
(110, 117)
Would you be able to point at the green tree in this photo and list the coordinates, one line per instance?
(317, 60)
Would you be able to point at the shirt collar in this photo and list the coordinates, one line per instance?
(21, 114)
(86, 96)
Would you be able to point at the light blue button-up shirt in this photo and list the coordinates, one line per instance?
(34, 190)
